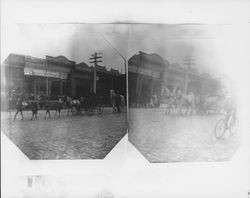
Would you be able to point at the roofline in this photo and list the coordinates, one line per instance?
(73, 63)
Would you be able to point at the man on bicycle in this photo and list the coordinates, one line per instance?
(230, 109)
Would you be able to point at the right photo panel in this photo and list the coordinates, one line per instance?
(182, 92)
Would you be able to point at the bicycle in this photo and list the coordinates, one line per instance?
(222, 126)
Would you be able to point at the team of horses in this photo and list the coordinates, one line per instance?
(188, 104)
(72, 106)
(180, 103)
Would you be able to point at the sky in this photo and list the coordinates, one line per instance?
(74, 41)
(217, 49)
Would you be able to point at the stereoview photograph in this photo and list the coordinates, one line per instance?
(182, 95)
(64, 89)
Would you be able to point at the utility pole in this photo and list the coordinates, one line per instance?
(47, 81)
(188, 61)
(95, 58)
(126, 70)
(125, 65)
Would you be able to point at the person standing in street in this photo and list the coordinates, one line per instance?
(47, 107)
(19, 108)
(112, 100)
(34, 109)
(118, 101)
(122, 102)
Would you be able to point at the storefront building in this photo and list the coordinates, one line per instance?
(174, 77)
(149, 73)
(57, 76)
(145, 77)
(48, 76)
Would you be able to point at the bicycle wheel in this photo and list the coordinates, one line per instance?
(99, 110)
(234, 126)
(219, 128)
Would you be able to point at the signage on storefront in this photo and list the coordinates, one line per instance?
(144, 71)
(52, 74)
(28, 72)
(44, 73)
(63, 75)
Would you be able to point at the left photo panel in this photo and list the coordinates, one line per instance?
(63, 89)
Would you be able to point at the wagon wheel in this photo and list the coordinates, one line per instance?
(219, 128)
(99, 109)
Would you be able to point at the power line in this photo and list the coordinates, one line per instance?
(95, 58)
(189, 61)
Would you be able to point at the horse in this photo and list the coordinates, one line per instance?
(56, 105)
(165, 94)
(71, 104)
(41, 101)
(187, 102)
(34, 108)
(68, 104)
(153, 102)
(76, 103)
(173, 100)
(24, 104)
(178, 100)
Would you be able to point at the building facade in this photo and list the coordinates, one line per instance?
(149, 73)
(57, 76)
(145, 76)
